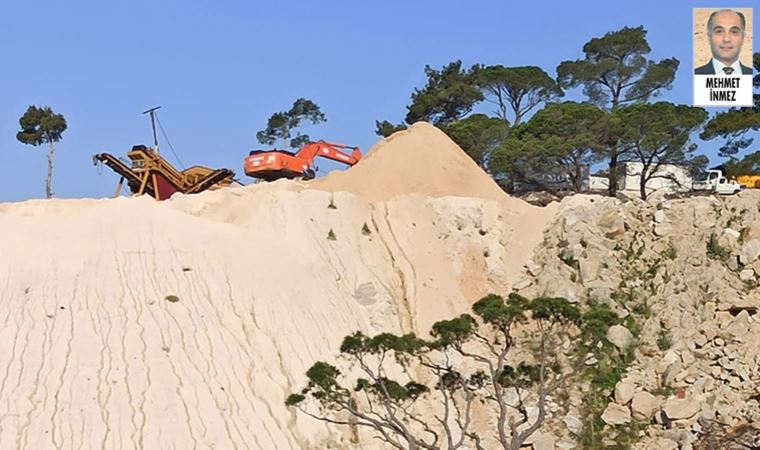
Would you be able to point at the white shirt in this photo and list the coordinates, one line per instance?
(718, 66)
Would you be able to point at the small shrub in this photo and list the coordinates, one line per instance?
(171, 298)
(563, 243)
(365, 229)
(671, 253)
(714, 249)
(331, 235)
(663, 340)
(331, 205)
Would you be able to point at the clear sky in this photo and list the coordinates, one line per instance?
(220, 68)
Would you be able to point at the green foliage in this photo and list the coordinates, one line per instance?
(519, 89)
(615, 69)
(449, 95)
(658, 133)
(453, 331)
(478, 339)
(294, 399)
(671, 252)
(596, 321)
(365, 229)
(714, 249)
(613, 72)
(495, 311)
(750, 164)
(331, 235)
(554, 309)
(281, 124)
(40, 125)
(478, 135)
(385, 128)
(560, 140)
(523, 376)
(663, 340)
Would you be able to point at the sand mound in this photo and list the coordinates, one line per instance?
(421, 160)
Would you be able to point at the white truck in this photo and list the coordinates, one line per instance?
(717, 182)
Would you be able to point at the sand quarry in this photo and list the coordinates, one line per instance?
(129, 323)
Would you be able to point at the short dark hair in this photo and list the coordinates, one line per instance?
(738, 13)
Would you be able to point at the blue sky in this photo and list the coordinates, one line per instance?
(220, 69)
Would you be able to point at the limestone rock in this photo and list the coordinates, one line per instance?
(574, 424)
(660, 217)
(746, 274)
(543, 441)
(680, 408)
(644, 405)
(624, 391)
(612, 224)
(616, 414)
(620, 336)
(662, 443)
(533, 268)
(750, 252)
(522, 284)
(589, 269)
(663, 229)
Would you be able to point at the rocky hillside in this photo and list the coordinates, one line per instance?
(683, 276)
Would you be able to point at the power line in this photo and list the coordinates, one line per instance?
(161, 127)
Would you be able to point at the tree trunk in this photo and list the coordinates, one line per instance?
(612, 176)
(643, 182)
(49, 179)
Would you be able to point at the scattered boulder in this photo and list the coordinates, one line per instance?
(680, 408)
(662, 443)
(543, 441)
(750, 252)
(612, 224)
(616, 414)
(624, 391)
(747, 275)
(644, 405)
(620, 336)
(522, 284)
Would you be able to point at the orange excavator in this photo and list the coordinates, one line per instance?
(270, 165)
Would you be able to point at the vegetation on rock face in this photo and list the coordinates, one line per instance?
(417, 393)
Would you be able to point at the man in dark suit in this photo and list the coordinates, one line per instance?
(725, 29)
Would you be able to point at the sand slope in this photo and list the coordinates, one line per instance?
(93, 355)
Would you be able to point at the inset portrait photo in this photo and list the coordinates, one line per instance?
(722, 56)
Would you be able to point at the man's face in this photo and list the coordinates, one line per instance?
(726, 37)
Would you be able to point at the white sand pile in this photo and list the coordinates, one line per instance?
(421, 160)
(95, 354)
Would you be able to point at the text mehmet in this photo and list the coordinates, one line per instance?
(727, 86)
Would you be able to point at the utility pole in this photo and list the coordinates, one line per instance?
(152, 113)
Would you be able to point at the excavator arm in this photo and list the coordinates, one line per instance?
(335, 152)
